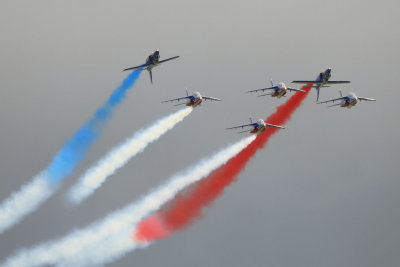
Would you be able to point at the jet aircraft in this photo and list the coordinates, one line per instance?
(321, 81)
(258, 127)
(347, 101)
(277, 90)
(153, 60)
(192, 100)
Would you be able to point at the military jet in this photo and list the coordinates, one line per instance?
(192, 100)
(258, 127)
(321, 81)
(347, 101)
(276, 90)
(153, 60)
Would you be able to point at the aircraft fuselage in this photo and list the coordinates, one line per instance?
(152, 60)
(259, 128)
(323, 78)
(194, 101)
(279, 92)
(349, 102)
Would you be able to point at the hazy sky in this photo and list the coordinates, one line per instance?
(324, 192)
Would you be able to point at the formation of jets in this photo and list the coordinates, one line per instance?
(277, 91)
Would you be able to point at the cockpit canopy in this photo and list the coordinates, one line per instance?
(281, 84)
(260, 121)
(352, 95)
(197, 94)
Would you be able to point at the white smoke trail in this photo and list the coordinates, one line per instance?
(81, 245)
(107, 251)
(119, 156)
(62, 165)
(29, 198)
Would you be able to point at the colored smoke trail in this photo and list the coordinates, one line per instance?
(119, 156)
(34, 193)
(82, 244)
(184, 209)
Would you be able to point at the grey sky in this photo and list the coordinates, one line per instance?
(324, 192)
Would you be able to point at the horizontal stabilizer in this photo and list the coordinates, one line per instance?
(307, 82)
(334, 105)
(264, 95)
(262, 89)
(336, 82)
(180, 104)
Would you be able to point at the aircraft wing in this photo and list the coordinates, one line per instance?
(262, 89)
(143, 66)
(366, 99)
(332, 100)
(241, 126)
(168, 59)
(306, 82)
(211, 98)
(176, 99)
(274, 126)
(294, 89)
(335, 82)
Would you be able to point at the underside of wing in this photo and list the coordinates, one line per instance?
(336, 82)
(297, 90)
(274, 126)
(176, 99)
(143, 66)
(262, 89)
(168, 59)
(366, 99)
(211, 98)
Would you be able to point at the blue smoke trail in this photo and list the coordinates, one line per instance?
(74, 150)
(43, 185)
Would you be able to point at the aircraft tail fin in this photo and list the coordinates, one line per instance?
(187, 93)
(251, 119)
(340, 92)
(151, 76)
(272, 84)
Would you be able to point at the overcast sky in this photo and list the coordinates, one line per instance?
(324, 192)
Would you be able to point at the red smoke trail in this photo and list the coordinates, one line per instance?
(187, 206)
